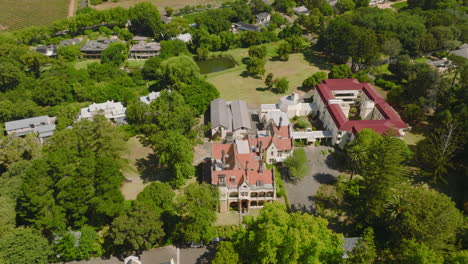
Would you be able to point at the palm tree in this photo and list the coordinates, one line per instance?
(356, 155)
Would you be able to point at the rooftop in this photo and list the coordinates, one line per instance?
(147, 99)
(143, 46)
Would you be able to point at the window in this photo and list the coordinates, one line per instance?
(222, 179)
(244, 194)
(233, 179)
(279, 153)
(272, 153)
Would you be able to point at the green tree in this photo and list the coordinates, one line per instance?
(281, 85)
(269, 80)
(52, 91)
(202, 53)
(79, 245)
(197, 209)
(198, 95)
(225, 254)
(159, 195)
(412, 251)
(10, 75)
(458, 257)
(283, 51)
(69, 53)
(176, 70)
(314, 79)
(391, 47)
(339, 72)
(257, 52)
(297, 164)
(145, 20)
(365, 250)
(256, 66)
(151, 68)
(424, 215)
(24, 245)
(173, 48)
(115, 54)
(277, 236)
(345, 5)
(139, 228)
(14, 149)
(174, 151)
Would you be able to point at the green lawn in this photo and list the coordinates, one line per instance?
(83, 64)
(16, 14)
(400, 5)
(232, 85)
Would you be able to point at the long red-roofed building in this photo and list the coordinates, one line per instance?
(335, 97)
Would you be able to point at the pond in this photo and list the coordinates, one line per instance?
(215, 65)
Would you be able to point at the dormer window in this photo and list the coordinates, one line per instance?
(222, 179)
(233, 179)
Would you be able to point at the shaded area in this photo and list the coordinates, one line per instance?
(207, 256)
(150, 171)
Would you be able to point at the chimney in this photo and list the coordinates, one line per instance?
(247, 171)
(223, 158)
(280, 122)
(260, 144)
(260, 166)
(213, 163)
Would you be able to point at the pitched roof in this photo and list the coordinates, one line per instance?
(143, 46)
(262, 15)
(246, 27)
(392, 120)
(220, 114)
(240, 115)
(462, 52)
(28, 122)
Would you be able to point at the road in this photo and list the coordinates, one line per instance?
(323, 170)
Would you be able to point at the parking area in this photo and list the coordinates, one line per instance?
(323, 169)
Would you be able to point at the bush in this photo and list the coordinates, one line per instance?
(302, 123)
(297, 164)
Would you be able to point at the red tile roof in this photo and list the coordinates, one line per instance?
(238, 167)
(392, 120)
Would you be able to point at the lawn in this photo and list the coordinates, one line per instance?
(400, 5)
(161, 4)
(16, 14)
(232, 85)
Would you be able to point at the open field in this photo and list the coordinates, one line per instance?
(232, 85)
(161, 4)
(16, 14)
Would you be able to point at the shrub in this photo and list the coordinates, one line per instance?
(297, 164)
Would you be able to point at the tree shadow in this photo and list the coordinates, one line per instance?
(310, 208)
(203, 171)
(208, 256)
(324, 178)
(336, 161)
(245, 60)
(316, 59)
(150, 171)
(262, 89)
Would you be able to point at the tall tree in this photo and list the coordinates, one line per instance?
(115, 54)
(24, 246)
(145, 20)
(225, 254)
(197, 209)
(365, 250)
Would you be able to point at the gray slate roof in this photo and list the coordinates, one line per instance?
(349, 245)
(240, 115)
(44, 125)
(219, 113)
(246, 27)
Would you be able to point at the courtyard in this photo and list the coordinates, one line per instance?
(323, 169)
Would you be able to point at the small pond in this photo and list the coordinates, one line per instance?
(215, 65)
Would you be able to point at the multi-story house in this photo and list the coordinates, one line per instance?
(44, 126)
(113, 111)
(229, 119)
(243, 180)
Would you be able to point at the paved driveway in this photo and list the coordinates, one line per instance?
(322, 170)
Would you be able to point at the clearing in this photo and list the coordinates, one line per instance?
(161, 4)
(233, 85)
(16, 14)
(136, 155)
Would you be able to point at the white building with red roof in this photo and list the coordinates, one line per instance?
(335, 97)
(243, 180)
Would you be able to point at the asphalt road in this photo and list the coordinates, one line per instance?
(322, 170)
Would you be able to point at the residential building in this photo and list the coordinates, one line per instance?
(48, 50)
(293, 106)
(241, 26)
(274, 142)
(44, 126)
(114, 111)
(93, 48)
(147, 99)
(229, 119)
(187, 37)
(143, 50)
(301, 10)
(68, 42)
(243, 180)
(263, 18)
(334, 99)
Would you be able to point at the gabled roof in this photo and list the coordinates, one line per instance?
(240, 115)
(219, 114)
(392, 120)
(246, 27)
(28, 122)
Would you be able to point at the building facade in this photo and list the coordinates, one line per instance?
(144, 50)
(113, 111)
(242, 178)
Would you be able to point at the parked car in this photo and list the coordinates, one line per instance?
(196, 245)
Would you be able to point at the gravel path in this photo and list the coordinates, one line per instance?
(323, 170)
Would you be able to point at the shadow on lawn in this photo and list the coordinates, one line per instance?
(316, 59)
(150, 171)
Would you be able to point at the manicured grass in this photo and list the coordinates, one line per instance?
(83, 64)
(16, 14)
(233, 85)
(400, 5)
(420, 60)
(161, 4)
(412, 138)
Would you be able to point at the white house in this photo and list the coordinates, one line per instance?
(44, 126)
(187, 37)
(114, 111)
(147, 99)
(292, 106)
(263, 18)
(301, 10)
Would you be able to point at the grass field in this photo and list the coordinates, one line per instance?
(16, 14)
(400, 5)
(161, 4)
(232, 85)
